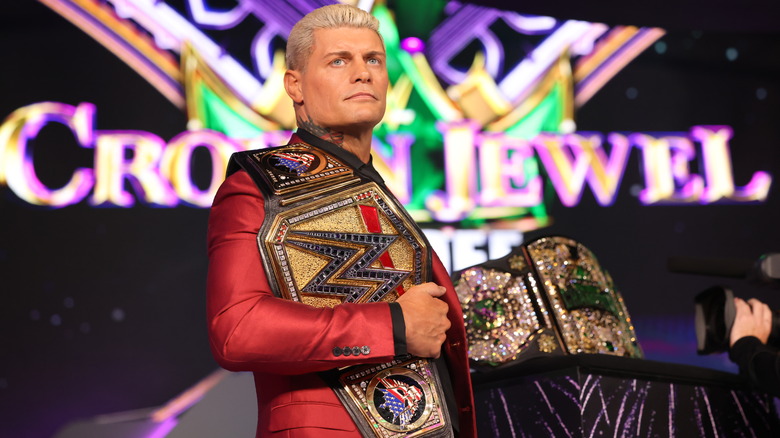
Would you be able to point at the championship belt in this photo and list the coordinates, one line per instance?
(332, 236)
(549, 297)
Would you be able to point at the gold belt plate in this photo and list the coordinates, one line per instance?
(354, 246)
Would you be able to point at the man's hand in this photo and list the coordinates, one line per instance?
(754, 318)
(426, 320)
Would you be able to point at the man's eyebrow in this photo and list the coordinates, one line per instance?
(349, 54)
(342, 53)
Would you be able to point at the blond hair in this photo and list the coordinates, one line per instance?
(301, 40)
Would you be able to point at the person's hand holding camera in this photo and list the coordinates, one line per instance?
(753, 318)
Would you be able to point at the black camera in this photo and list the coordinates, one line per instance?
(715, 309)
(715, 313)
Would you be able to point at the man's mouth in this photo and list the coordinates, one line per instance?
(361, 96)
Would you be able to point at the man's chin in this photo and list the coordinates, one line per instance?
(358, 124)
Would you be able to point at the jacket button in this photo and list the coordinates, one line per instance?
(455, 344)
(336, 351)
(346, 351)
(356, 351)
(365, 350)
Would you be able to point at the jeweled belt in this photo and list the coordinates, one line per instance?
(333, 236)
(548, 297)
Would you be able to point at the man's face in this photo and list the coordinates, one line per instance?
(344, 84)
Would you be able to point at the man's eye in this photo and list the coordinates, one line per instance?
(337, 62)
(374, 61)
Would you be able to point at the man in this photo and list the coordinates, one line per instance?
(308, 251)
(757, 361)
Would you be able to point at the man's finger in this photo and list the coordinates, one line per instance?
(741, 306)
(766, 312)
(433, 289)
(759, 309)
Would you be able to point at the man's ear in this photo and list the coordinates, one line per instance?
(292, 84)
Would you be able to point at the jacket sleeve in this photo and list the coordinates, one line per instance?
(252, 330)
(758, 362)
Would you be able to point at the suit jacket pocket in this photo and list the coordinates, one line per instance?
(310, 414)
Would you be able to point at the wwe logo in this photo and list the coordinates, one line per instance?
(400, 399)
(298, 163)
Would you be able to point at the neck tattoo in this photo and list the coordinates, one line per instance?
(327, 134)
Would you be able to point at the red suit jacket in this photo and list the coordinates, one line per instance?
(285, 343)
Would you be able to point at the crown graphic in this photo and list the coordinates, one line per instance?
(197, 73)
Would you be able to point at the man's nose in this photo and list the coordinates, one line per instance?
(362, 74)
